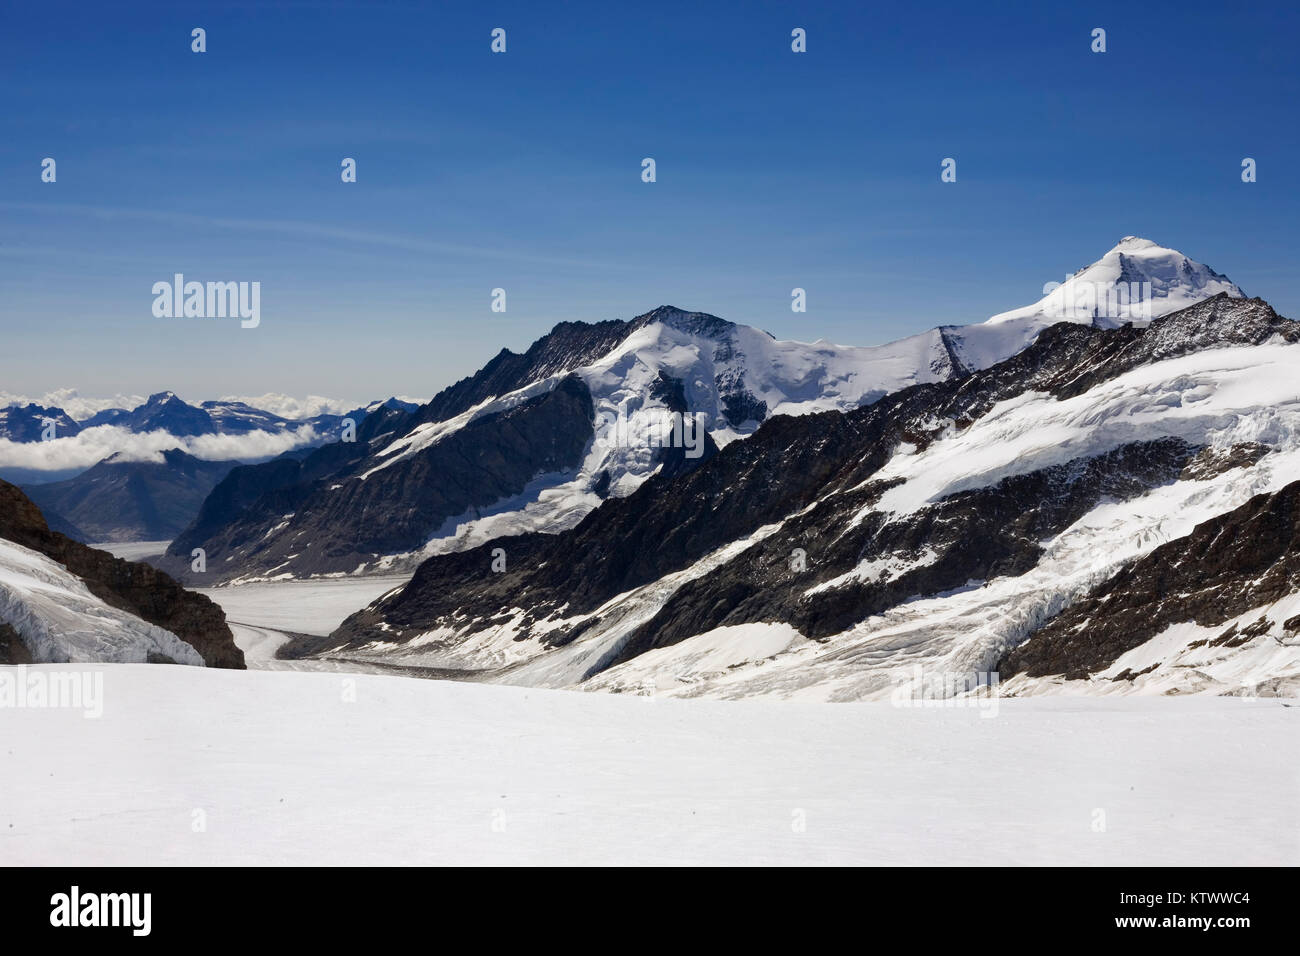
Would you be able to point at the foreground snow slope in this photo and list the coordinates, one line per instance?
(428, 772)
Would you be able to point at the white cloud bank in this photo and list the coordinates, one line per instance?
(286, 406)
(78, 407)
(96, 444)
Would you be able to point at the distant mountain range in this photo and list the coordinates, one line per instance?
(32, 423)
(147, 491)
(167, 412)
(122, 500)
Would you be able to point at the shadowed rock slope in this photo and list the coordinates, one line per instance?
(126, 585)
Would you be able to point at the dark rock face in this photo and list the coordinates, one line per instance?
(1213, 461)
(949, 364)
(12, 648)
(166, 412)
(1220, 320)
(815, 474)
(568, 346)
(690, 447)
(371, 508)
(1227, 565)
(571, 345)
(238, 490)
(739, 406)
(130, 500)
(665, 525)
(27, 423)
(129, 586)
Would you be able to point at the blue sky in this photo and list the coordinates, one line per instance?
(522, 171)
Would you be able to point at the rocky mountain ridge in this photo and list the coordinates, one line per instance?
(709, 553)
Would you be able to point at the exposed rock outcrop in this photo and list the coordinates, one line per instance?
(129, 586)
(1228, 565)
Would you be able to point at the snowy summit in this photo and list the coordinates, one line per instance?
(1152, 281)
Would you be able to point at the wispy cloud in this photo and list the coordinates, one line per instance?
(307, 230)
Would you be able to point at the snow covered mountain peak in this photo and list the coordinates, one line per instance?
(667, 313)
(1135, 243)
(692, 323)
(1136, 281)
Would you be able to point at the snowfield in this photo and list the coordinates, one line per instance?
(263, 616)
(208, 767)
(315, 606)
(1218, 397)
